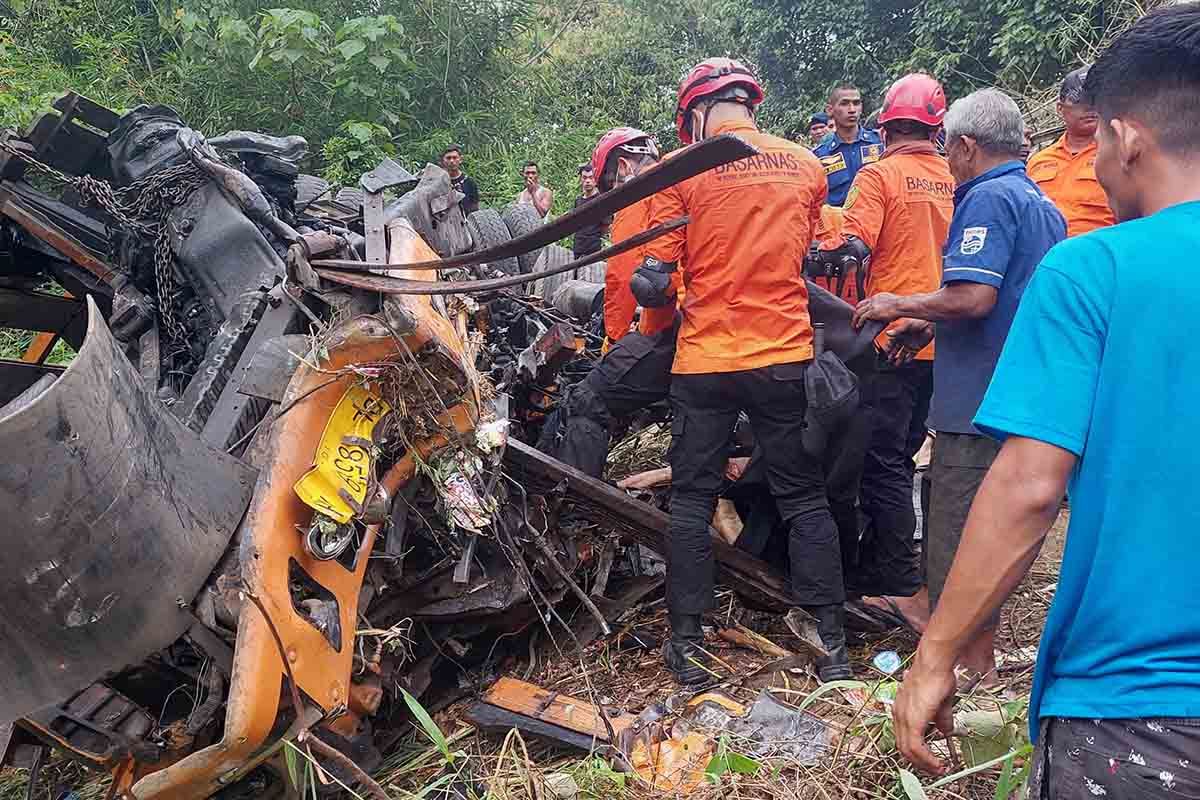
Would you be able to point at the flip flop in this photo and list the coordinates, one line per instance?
(865, 618)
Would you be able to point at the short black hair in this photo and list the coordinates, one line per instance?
(454, 148)
(1151, 73)
(529, 164)
(909, 127)
(842, 87)
(585, 168)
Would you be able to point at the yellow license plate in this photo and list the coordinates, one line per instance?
(341, 476)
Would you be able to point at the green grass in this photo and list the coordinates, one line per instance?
(14, 342)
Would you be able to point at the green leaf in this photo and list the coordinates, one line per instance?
(380, 62)
(912, 786)
(1004, 785)
(1020, 752)
(254, 61)
(361, 131)
(826, 688)
(743, 765)
(289, 757)
(290, 55)
(351, 47)
(428, 726)
(726, 761)
(986, 735)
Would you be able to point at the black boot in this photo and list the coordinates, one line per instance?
(831, 628)
(683, 654)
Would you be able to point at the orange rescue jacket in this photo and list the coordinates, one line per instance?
(619, 303)
(900, 207)
(1070, 181)
(745, 304)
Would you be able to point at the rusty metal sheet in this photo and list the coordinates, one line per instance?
(272, 366)
(689, 162)
(388, 284)
(114, 516)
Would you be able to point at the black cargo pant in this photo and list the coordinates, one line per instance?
(896, 404)
(634, 374)
(1116, 759)
(706, 407)
(764, 535)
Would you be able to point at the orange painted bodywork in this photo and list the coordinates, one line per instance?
(270, 539)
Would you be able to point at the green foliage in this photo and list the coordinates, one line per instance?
(511, 80)
(355, 149)
(728, 762)
(830, 686)
(429, 727)
(597, 780)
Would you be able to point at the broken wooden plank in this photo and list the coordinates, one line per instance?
(737, 569)
(533, 708)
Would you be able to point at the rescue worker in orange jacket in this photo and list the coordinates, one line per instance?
(1066, 170)
(744, 344)
(635, 372)
(897, 218)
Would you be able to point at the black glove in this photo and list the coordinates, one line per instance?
(651, 283)
(854, 256)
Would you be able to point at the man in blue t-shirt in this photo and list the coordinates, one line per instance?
(1002, 227)
(1097, 387)
(849, 145)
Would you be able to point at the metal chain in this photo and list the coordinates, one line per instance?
(143, 208)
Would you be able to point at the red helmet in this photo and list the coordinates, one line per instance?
(618, 137)
(917, 97)
(709, 77)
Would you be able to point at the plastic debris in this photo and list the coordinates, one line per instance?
(887, 662)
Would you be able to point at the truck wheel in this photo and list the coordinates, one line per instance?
(488, 230)
(308, 189)
(522, 219)
(552, 255)
(351, 196)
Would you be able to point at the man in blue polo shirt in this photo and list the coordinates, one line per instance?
(1002, 227)
(1097, 388)
(844, 151)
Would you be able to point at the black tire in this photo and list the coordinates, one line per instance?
(351, 196)
(552, 256)
(308, 189)
(488, 230)
(522, 219)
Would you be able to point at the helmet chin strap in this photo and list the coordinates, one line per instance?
(699, 123)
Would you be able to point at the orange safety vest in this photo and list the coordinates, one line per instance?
(619, 302)
(1069, 179)
(745, 303)
(900, 207)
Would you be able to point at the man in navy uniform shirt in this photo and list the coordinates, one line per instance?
(844, 151)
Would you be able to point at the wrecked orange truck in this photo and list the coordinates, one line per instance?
(266, 494)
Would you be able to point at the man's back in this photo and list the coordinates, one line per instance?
(1021, 226)
(746, 304)
(1101, 362)
(901, 207)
